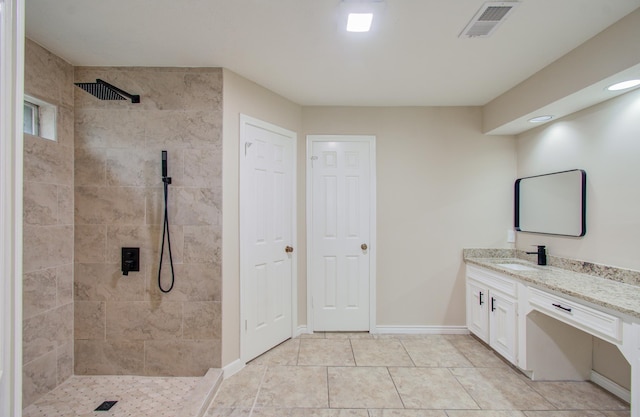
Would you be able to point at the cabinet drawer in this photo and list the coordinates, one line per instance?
(592, 321)
(506, 285)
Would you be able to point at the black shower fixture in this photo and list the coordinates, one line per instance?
(165, 228)
(130, 260)
(105, 91)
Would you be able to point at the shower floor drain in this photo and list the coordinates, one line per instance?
(105, 406)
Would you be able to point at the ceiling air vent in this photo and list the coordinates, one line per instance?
(488, 18)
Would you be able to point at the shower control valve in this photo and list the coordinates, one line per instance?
(130, 260)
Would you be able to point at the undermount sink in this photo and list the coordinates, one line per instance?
(518, 267)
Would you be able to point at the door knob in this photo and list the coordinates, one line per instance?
(364, 246)
(288, 249)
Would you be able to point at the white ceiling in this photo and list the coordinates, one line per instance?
(413, 57)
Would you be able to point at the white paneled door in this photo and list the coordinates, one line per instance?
(341, 197)
(267, 224)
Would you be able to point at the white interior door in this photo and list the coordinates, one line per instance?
(267, 225)
(341, 198)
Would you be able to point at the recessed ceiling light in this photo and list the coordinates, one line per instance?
(624, 85)
(540, 119)
(359, 22)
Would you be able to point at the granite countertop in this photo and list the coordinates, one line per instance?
(613, 295)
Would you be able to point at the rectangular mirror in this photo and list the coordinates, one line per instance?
(552, 203)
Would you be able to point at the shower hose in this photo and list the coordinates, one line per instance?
(165, 232)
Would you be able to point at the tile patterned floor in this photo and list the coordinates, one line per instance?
(363, 375)
(137, 396)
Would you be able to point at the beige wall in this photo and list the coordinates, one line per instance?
(242, 96)
(124, 324)
(441, 186)
(48, 231)
(603, 140)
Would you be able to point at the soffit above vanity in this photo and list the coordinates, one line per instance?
(576, 81)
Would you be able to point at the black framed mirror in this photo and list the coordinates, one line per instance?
(552, 203)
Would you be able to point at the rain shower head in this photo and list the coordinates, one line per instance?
(105, 91)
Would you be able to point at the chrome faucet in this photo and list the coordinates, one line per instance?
(542, 254)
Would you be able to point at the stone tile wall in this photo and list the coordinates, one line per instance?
(124, 324)
(48, 231)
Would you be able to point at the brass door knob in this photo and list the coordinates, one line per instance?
(364, 246)
(288, 249)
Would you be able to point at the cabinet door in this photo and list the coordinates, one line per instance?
(477, 312)
(503, 325)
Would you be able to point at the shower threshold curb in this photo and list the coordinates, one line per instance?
(198, 401)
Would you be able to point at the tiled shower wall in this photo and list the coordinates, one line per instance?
(124, 324)
(48, 231)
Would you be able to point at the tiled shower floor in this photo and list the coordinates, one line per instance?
(137, 396)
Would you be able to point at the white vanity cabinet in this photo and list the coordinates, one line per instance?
(492, 310)
(543, 322)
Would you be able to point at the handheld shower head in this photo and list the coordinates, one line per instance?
(165, 178)
(165, 229)
(164, 164)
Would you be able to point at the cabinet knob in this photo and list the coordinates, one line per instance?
(288, 249)
(364, 246)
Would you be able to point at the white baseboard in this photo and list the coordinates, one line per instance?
(422, 330)
(607, 384)
(233, 368)
(301, 330)
(405, 330)
(237, 365)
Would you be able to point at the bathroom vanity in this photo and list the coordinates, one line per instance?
(542, 318)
